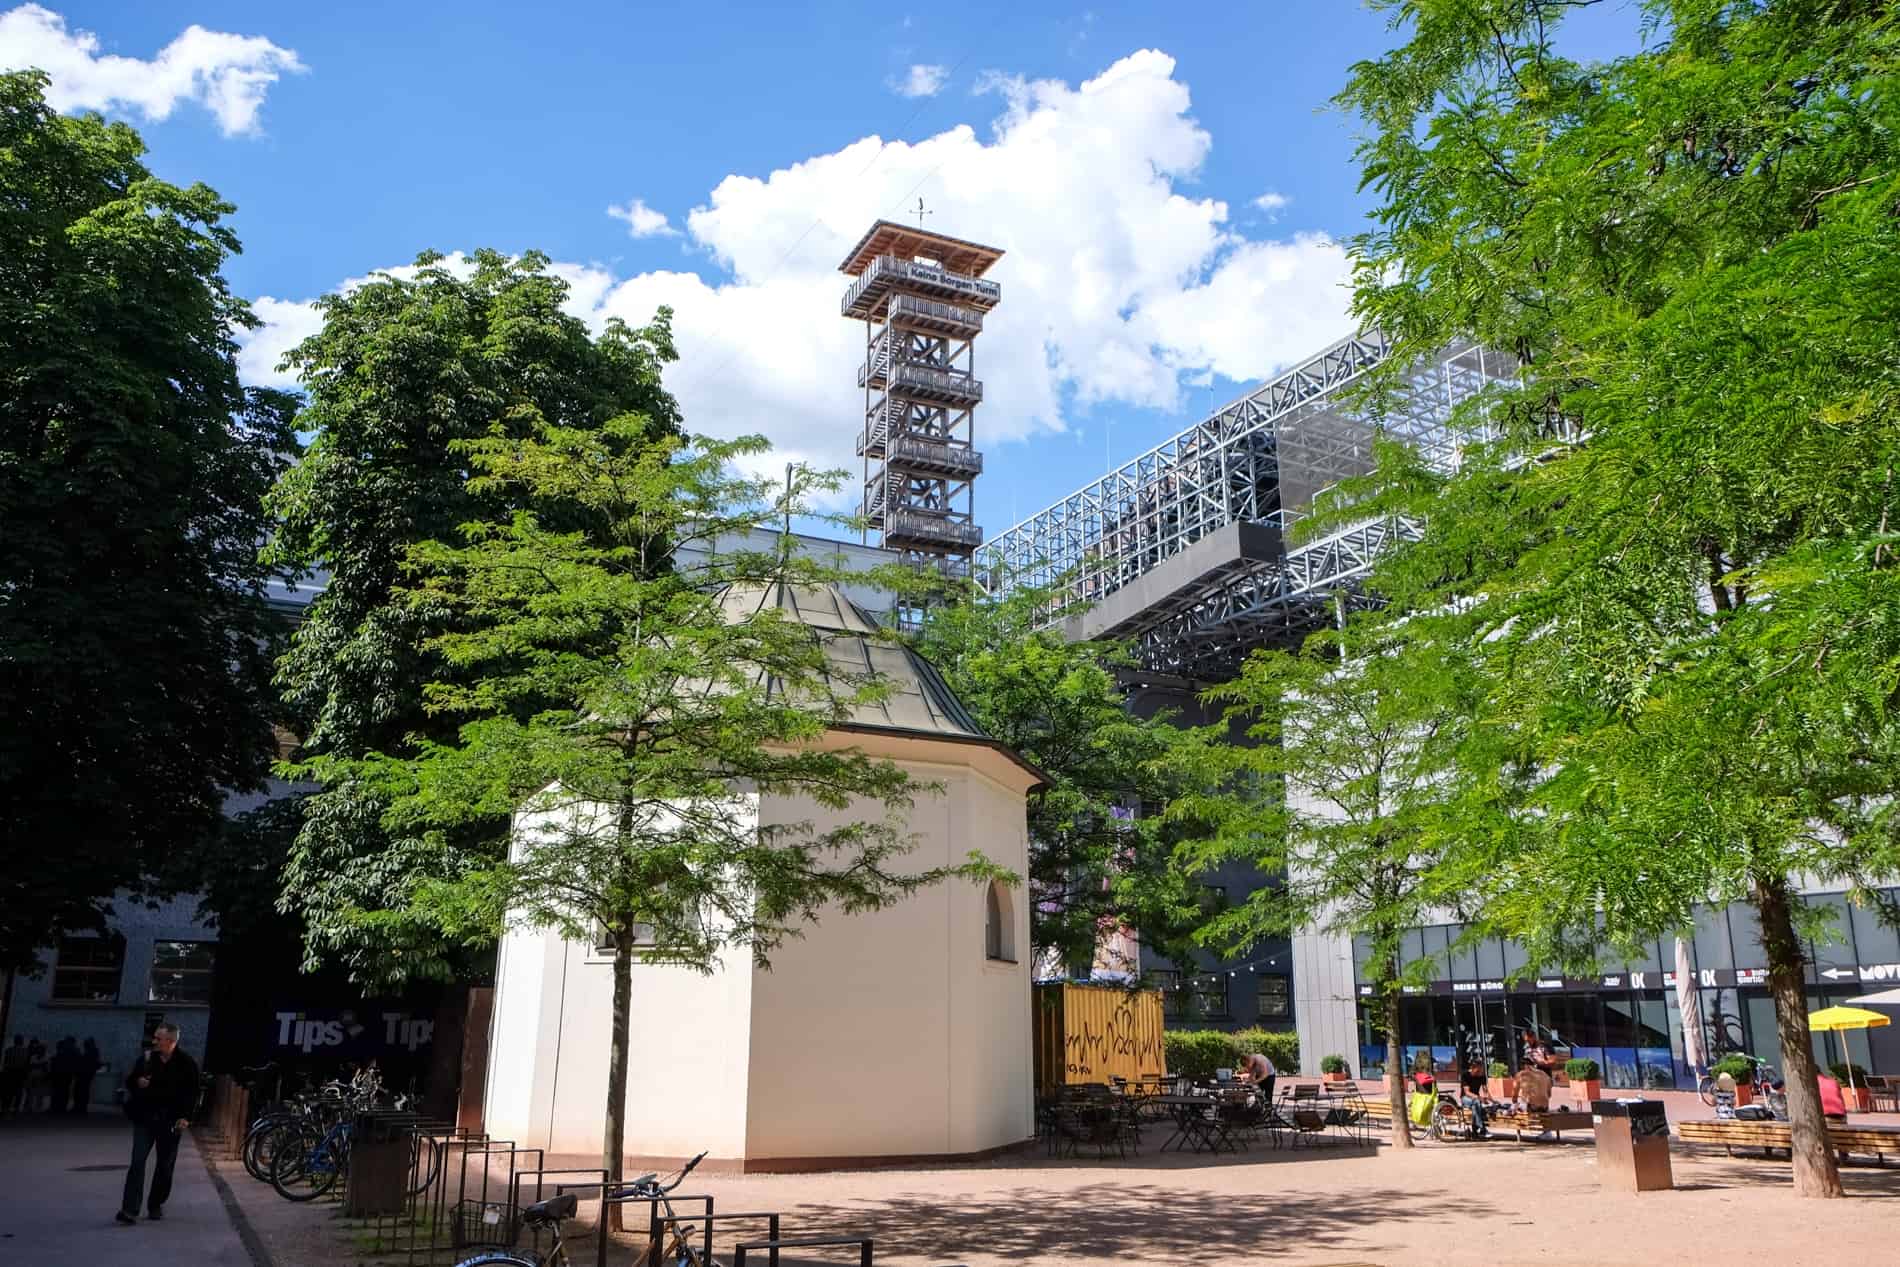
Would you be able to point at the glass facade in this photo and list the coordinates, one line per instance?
(1480, 1003)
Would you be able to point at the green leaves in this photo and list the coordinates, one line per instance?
(135, 641)
(407, 382)
(1099, 848)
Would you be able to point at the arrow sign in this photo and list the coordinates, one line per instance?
(1835, 974)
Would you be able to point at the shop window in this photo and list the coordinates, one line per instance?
(181, 971)
(87, 969)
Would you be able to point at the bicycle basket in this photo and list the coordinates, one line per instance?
(478, 1224)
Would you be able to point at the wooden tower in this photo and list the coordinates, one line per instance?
(921, 297)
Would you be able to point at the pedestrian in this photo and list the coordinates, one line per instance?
(61, 1071)
(13, 1067)
(160, 1092)
(36, 1076)
(89, 1065)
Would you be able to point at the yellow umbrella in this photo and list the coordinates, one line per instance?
(1845, 1018)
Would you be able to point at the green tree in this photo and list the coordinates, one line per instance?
(1684, 612)
(1343, 794)
(628, 686)
(405, 368)
(1099, 848)
(134, 635)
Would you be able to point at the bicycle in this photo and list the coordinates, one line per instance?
(1762, 1075)
(677, 1251)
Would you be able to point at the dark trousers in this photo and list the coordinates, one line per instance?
(82, 1092)
(146, 1138)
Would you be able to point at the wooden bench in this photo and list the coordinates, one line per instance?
(1553, 1122)
(1774, 1137)
(1521, 1124)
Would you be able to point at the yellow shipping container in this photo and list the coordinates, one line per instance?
(1091, 1033)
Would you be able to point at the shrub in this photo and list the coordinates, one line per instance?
(1740, 1068)
(1281, 1046)
(1497, 1069)
(1582, 1069)
(1197, 1053)
(1332, 1064)
(1843, 1070)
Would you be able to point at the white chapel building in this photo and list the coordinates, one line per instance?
(896, 1035)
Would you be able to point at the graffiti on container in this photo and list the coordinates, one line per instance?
(1117, 1043)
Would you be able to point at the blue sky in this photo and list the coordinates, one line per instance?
(1168, 180)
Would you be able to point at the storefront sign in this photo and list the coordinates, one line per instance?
(1880, 972)
(1751, 976)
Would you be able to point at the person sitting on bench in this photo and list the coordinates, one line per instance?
(1833, 1103)
(1477, 1094)
(1533, 1087)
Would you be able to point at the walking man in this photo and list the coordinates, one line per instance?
(161, 1091)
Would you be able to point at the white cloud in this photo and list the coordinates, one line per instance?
(921, 81)
(1271, 201)
(1118, 288)
(226, 74)
(642, 220)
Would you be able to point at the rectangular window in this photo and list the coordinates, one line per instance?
(1202, 997)
(181, 971)
(87, 969)
(604, 941)
(1276, 998)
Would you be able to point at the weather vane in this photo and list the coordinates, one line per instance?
(921, 213)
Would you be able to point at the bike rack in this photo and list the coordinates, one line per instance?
(863, 1244)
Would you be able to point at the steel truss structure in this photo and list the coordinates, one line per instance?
(922, 297)
(1143, 549)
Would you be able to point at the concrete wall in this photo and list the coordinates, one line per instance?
(889, 1033)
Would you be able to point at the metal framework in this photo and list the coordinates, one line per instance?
(1257, 460)
(922, 297)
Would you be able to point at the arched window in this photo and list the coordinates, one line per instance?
(999, 928)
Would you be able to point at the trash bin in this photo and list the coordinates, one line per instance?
(1632, 1145)
(381, 1148)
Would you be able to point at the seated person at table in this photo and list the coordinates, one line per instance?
(1833, 1103)
(1475, 1094)
(1257, 1069)
(1533, 1087)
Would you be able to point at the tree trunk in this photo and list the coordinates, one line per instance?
(1394, 1064)
(613, 1152)
(1815, 1174)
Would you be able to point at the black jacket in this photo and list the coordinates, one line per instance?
(173, 1093)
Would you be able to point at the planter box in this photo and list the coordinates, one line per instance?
(1858, 1099)
(1586, 1091)
(1744, 1093)
(1334, 1077)
(1502, 1088)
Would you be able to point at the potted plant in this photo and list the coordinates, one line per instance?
(1586, 1079)
(1854, 1090)
(1740, 1068)
(1502, 1085)
(1333, 1068)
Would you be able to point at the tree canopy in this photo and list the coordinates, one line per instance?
(1668, 540)
(407, 366)
(135, 639)
(1100, 850)
(623, 677)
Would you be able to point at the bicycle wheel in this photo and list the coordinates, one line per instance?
(262, 1143)
(425, 1159)
(1705, 1087)
(305, 1168)
(498, 1258)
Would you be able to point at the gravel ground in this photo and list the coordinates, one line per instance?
(1499, 1203)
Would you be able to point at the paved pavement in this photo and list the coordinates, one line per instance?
(60, 1184)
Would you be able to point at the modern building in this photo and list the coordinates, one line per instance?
(1185, 552)
(899, 1034)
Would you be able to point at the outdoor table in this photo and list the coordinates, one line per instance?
(1193, 1128)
